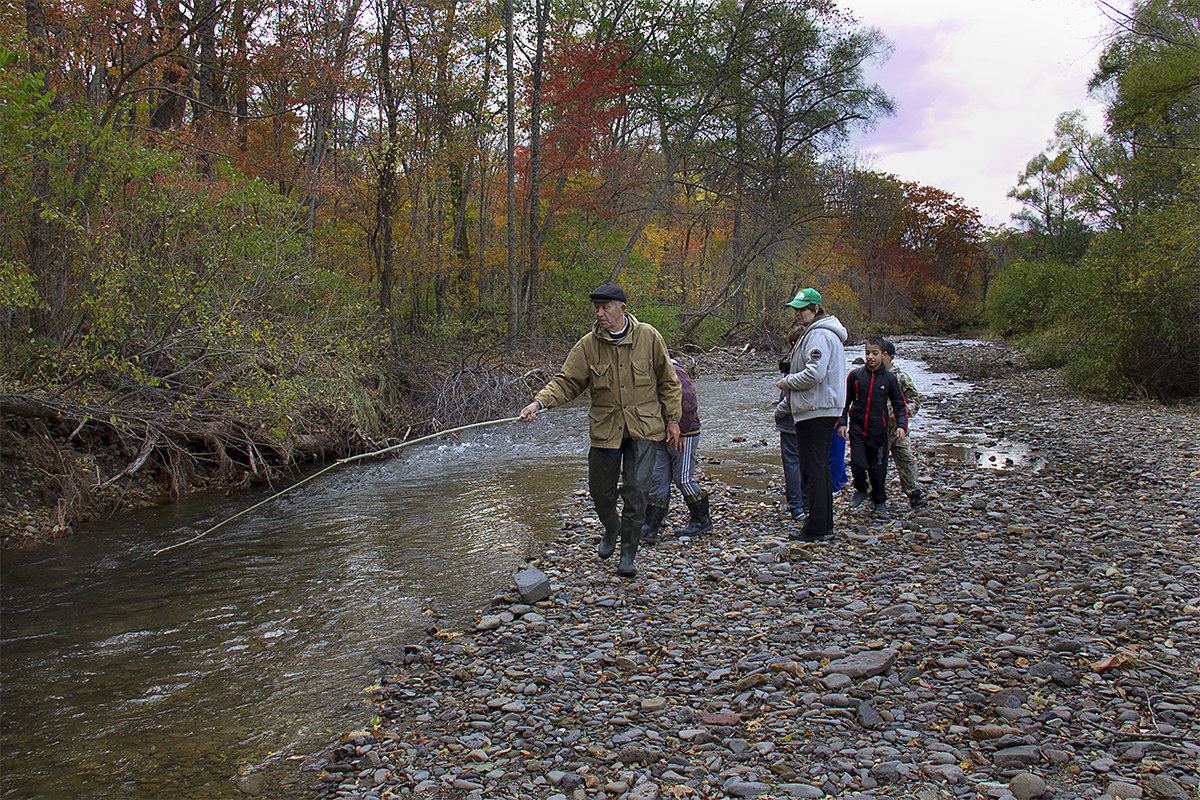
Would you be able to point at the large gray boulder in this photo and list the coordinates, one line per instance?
(532, 584)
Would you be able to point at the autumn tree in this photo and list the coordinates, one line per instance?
(790, 87)
(869, 215)
(944, 257)
(1148, 259)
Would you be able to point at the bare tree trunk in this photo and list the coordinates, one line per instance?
(321, 110)
(462, 243)
(241, 102)
(277, 128)
(385, 200)
(172, 98)
(701, 113)
(739, 183)
(206, 23)
(47, 260)
(487, 278)
(447, 180)
(514, 280)
(542, 8)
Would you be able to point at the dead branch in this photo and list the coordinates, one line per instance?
(136, 464)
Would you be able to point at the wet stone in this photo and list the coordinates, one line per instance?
(836, 681)
(739, 788)
(489, 622)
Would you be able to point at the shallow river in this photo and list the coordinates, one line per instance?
(141, 676)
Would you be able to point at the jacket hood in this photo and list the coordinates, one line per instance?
(831, 323)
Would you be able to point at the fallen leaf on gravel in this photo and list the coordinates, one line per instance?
(1121, 658)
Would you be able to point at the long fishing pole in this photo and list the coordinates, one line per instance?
(337, 463)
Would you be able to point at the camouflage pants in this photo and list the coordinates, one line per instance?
(906, 462)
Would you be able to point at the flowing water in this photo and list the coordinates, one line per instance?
(141, 676)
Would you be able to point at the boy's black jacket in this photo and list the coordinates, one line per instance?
(867, 397)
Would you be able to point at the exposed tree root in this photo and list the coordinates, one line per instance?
(64, 462)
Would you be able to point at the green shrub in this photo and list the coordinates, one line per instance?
(1030, 296)
(1052, 348)
(1139, 314)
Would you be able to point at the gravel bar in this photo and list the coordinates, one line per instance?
(1033, 632)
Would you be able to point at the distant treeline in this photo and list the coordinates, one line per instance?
(282, 211)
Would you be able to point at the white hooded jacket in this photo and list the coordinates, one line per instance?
(817, 382)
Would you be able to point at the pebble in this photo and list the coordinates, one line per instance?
(1031, 633)
(1027, 785)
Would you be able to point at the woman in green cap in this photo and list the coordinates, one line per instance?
(816, 388)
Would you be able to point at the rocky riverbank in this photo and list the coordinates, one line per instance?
(1031, 633)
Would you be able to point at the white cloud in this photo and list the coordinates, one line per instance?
(978, 86)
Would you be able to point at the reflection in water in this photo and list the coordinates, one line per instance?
(1004, 454)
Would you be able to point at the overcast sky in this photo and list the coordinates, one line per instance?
(978, 85)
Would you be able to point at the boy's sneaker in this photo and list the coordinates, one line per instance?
(881, 509)
(858, 499)
(915, 500)
(798, 514)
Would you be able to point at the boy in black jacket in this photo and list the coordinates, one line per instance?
(864, 423)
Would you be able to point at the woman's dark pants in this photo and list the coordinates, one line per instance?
(813, 436)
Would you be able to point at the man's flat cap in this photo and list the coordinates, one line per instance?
(607, 291)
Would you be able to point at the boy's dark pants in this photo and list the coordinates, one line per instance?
(868, 460)
(813, 436)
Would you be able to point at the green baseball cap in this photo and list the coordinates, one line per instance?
(806, 297)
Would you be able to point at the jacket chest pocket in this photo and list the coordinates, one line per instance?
(643, 373)
(601, 376)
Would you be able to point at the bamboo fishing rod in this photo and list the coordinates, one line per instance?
(337, 463)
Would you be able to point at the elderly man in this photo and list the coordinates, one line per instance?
(626, 366)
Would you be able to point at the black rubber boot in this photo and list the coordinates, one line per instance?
(654, 520)
(608, 543)
(699, 520)
(604, 475)
(629, 548)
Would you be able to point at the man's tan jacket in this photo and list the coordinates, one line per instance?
(632, 382)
